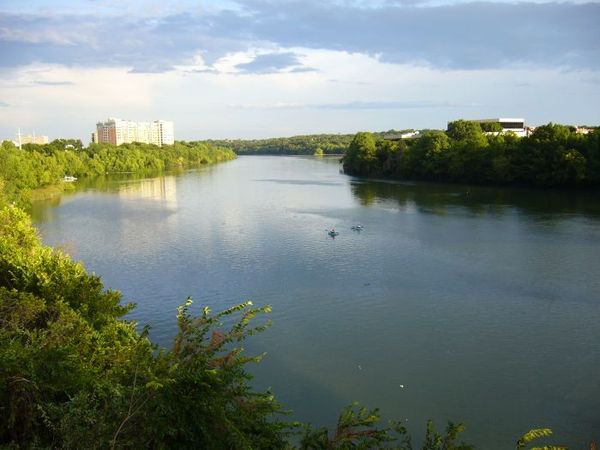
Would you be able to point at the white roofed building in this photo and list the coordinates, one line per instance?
(512, 124)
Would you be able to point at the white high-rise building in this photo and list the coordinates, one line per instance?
(117, 131)
(165, 132)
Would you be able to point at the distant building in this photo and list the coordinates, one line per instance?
(117, 131)
(164, 132)
(399, 136)
(583, 130)
(514, 125)
(31, 139)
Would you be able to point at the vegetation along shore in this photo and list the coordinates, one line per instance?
(553, 155)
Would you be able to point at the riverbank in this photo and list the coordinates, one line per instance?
(35, 172)
(50, 192)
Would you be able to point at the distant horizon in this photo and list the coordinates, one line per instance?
(177, 138)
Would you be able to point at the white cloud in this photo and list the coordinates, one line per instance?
(67, 102)
(348, 92)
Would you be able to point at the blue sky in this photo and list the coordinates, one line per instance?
(261, 68)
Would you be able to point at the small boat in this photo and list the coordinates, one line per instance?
(69, 179)
(332, 233)
(357, 227)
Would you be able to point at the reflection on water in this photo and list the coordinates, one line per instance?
(163, 189)
(439, 198)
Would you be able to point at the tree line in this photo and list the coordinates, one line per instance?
(553, 155)
(312, 144)
(36, 166)
(326, 144)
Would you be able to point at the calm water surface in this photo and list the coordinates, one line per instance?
(471, 304)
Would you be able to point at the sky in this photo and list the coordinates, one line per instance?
(266, 68)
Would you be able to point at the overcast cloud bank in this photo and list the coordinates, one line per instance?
(459, 36)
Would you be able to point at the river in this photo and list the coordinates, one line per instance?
(476, 305)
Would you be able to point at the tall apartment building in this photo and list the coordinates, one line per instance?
(117, 131)
(164, 131)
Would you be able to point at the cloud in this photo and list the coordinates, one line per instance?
(54, 83)
(468, 36)
(142, 44)
(388, 105)
(207, 70)
(355, 105)
(273, 63)
(592, 80)
(302, 70)
(360, 83)
(150, 68)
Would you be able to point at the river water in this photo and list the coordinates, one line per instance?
(479, 305)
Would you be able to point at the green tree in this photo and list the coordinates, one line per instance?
(535, 434)
(361, 158)
(426, 157)
(491, 127)
(359, 428)
(73, 374)
(467, 131)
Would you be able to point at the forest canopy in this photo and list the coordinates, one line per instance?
(553, 155)
(327, 144)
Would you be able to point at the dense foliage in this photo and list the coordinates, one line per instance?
(74, 374)
(327, 144)
(553, 155)
(36, 166)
